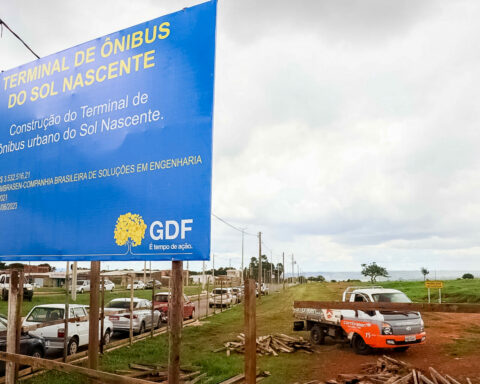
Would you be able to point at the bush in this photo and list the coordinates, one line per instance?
(468, 276)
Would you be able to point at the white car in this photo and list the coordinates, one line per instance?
(83, 286)
(53, 334)
(223, 297)
(5, 286)
(137, 285)
(109, 286)
(142, 315)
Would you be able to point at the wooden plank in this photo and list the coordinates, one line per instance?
(12, 324)
(250, 332)
(103, 377)
(102, 317)
(66, 316)
(94, 313)
(130, 334)
(414, 307)
(175, 319)
(18, 317)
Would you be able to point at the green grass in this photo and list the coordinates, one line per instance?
(467, 344)
(274, 315)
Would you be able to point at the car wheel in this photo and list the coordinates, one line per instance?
(4, 294)
(159, 322)
(81, 291)
(359, 346)
(73, 346)
(317, 335)
(142, 328)
(106, 338)
(38, 353)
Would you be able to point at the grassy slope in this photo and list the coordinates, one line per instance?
(273, 316)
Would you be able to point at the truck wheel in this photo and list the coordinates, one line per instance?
(359, 346)
(317, 335)
(73, 346)
(401, 349)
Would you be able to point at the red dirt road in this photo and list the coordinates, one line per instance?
(442, 330)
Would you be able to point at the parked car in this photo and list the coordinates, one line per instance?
(263, 289)
(222, 297)
(29, 344)
(142, 315)
(161, 300)
(150, 283)
(109, 286)
(83, 286)
(139, 284)
(53, 334)
(238, 292)
(5, 286)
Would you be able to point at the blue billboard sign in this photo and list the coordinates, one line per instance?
(106, 147)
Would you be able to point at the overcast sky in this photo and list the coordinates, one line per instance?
(345, 131)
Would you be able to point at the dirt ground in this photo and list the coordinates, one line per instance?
(442, 331)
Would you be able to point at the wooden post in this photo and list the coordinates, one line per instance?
(94, 315)
(250, 333)
(130, 336)
(198, 301)
(221, 295)
(102, 321)
(19, 317)
(175, 315)
(208, 298)
(428, 295)
(283, 270)
(153, 300)
(66, 316)
(74, 281)
(12, 324)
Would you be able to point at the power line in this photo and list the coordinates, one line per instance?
(233, 226)
(19, 38)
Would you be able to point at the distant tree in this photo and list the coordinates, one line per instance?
(50, 268)
(373, 271)
(318, 278)
(3, 265)
(425, 272)
(468, 276)
(16, 266)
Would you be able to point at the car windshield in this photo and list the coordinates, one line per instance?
(42, 314)
(119, 304)
(394, 297)
(161, 298)
(80, 282)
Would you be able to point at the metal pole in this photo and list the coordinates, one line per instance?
(153, 307)
(243, 238)
(208, 296)
(102, 318)
(203, 275)
(293, 269)
(213, 275)
(440, 295)
(428, 295)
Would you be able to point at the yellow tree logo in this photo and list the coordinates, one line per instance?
(130, 229)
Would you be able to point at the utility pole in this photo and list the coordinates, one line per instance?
(283, 270)
(259, 265)
(203, 276)
(271, 266)
(243, 238)
(293, 269)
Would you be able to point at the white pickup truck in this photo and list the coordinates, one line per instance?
(53, 334)
(5, 287)
(365, 329)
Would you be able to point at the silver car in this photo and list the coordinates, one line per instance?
(142, 315)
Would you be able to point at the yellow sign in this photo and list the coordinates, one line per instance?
(434, 284)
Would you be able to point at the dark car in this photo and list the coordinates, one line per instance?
(149, 284)
(29, 345)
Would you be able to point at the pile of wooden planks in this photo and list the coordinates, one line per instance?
(159, 373)
(270, 345)
(387, 370)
